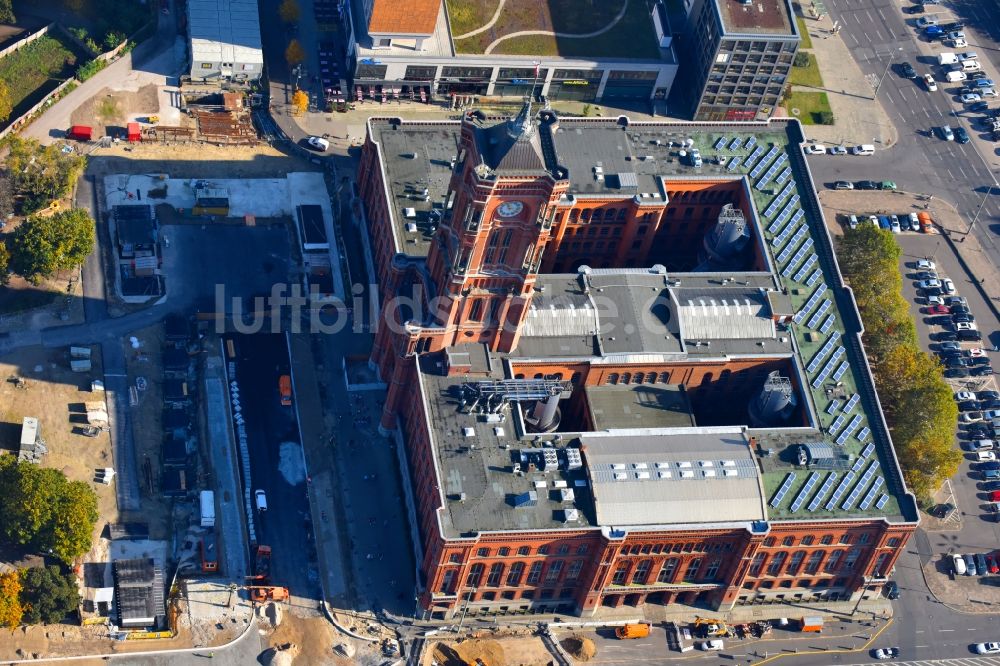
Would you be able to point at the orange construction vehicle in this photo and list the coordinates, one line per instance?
(285, 389)
(632, 631)
(263, 593)
(262, 564)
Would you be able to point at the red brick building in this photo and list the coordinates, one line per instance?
(621, 378)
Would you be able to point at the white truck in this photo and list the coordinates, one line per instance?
(947, 58)
(207, 508)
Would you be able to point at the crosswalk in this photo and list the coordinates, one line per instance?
(993, 660)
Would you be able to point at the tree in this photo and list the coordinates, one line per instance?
(43, 245)
(10, 599)
(300, 101)
(6, 105)
(4, 264)
(294, 53)
(824, 118)
(41, 173)
(48, 595)
(801, 59)
(41, 509)
(289, 11)
(7, 11)
(113, 39)
(6, 196)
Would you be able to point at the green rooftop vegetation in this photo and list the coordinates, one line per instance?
(567, 28)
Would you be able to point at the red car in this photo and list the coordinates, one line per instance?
(991, 564)
(938, 309)
(995, 496)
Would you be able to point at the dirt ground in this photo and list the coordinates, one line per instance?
(195, 160)
(507, 651)
(112, 108)
(147, 432)
(313, 638)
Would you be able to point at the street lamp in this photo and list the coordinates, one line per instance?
(981, 205)
(885, 73)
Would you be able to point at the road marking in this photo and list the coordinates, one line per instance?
(944, 630)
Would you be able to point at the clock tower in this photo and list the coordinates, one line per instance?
(487, 251)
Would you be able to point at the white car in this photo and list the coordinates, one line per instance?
(958, 564)
(935, 300)
(815, 149)
(987, 648)
(319, 143)
(261, 499)
(975, 352)
(885, 653)
(959, 43)
(711, 645)
(965, 326)
(929, 284)
(925, 265)
(929, 82)
(989, 92)
(970, 417)
(969, 98)
(968, 55)
(964, 396)
(947, 286)
(838, 150)
(986, 456)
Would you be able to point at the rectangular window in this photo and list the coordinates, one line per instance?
(476, 314)
(713, 569)
(796, 562)
(813, 565)
(552, 575)
(420, 73)
(666, 574)
(475, 574)
(756, 564)
(447, 582)
(852, 558)
(692, 570)
(535, 573)
(620, 573)
(641, 574)
(574, 570)
(515, 573)
(775, 566)
(508, 234)
(493, 579)
(833, 562)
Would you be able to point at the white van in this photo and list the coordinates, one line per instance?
(863, 149)
(261, 500)
(955, 77)
(947, 58)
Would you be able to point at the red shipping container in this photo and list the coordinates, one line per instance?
(133, 133)
(81, 132)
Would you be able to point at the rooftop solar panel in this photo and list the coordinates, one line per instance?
(841, 487)
(832, 407)
(849, 405)
(881, 501)
(783, 490)
(750, 142)
(801, 273)
(733, 163)
(810, 304)
(831, 478)
(804, 493)
(870, 495)
(720, 143)
(735, 144)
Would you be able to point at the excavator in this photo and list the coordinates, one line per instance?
(263, 593)
(711, 628)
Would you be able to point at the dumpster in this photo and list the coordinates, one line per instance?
(813, 623)
(134, 135)
(81, 132)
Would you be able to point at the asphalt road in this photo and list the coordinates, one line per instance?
(879, 34)
(276, 466)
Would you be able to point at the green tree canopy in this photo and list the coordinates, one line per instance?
(41, 174)
(43, 245)
(41, 509)
(6, 103)
(4, 264)
(917, 402)
(7, 11)
(47, 595)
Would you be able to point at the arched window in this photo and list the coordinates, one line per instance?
(627, 378)
(613, 378)
(640, 377)
(475, 574)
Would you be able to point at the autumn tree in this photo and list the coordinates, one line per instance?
(916, 400)
(40, 173)
(289, 11)
(300, 101)
(6, 104)
(48, 595)
(4, 263)
(294, 53)
(43, 245)
(10, 599)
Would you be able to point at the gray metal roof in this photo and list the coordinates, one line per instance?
(723, 314)
(698, 475)
(225, 31)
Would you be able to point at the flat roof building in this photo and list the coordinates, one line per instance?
(621, 379)
(615, 52)
(224, 39)
(737, 59)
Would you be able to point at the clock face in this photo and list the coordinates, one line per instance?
(510, 208)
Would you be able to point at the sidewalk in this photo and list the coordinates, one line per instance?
(858, 119)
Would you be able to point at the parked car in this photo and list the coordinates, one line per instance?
(964, 326)
(962, 318)
(887, 185)
(891, 590)
(931, 283)
(979, 107)
(956, 300)
(971, 417)
(991, 564)
(852, 221)
(885, 653)
(319, 143)
(988, 395)
(815, 149)
(983, 83)
(949, 346)
(945, 336)
(988, 456)
(925, 265)
(991, 485)
(987, 648)
(981, 370)
(957, 564)
(866, 185)
(843, 185)
(712, 645)
(970, 565)
(838, 150)
(990, 474)
(956, 362)
(969, 98)
(937, 310)
(962, 396)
